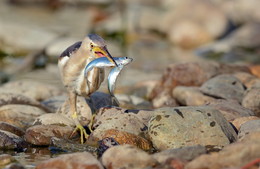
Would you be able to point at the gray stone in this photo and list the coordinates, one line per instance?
(190, 96)
(133, 102)
(249, 127)
(54, 103)
(225, 87)
(126, 156)
(187, 126)
(20, 115)
(231, 109)
(251, 100)
(185, 153)
(10, 141)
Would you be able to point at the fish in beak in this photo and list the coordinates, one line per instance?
(103, 52)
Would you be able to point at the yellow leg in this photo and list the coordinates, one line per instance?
(83, 133)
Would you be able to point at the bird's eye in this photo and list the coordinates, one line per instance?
(91, 45)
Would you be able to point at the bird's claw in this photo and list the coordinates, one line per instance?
(83, 132)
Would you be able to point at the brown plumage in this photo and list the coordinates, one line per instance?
(72, 63)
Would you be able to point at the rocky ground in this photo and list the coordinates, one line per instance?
(208, 117)
(178, 109)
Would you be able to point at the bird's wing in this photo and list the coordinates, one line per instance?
(70, 50)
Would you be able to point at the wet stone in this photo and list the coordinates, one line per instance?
(73, 160)
(225, 87)
(192, 125)
(11, 141)
(11, 128)
(251, 100)
(42, 134)
(126, 156)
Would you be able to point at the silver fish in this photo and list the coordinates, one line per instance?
(104, 62)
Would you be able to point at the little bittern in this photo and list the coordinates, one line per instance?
(72, 63)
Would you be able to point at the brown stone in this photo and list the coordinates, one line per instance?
(241, 120)
(255, 69)
(127, 138)
(42, 134)
(11, 128)
(251, 100)
(82, 160)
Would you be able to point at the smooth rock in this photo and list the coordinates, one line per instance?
(190, 96)
(54, 103)
(126, 156)
(136, 119)
(234, 155)
(248, 127)
(143, 89)
(32, 89)
(241, 120)
(15, 166)
(231, 109)
(105, 144)
(164, 99)
(248, 80)
(20, 115)
(74, 160)
(15, 98)
(224, 86)
(11, 141)
(55, 119)
(188, 126)
(185, 153)
(11, 128)
(255, 69)
(251, 100)
(5, 159)
(42, 134)
(123, 137)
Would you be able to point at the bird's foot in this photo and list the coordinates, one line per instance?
(83, 133)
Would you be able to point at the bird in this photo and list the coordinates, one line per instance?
(72, 63)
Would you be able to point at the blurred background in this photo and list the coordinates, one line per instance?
(156, 33)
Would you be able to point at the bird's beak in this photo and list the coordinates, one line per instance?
(103, 52)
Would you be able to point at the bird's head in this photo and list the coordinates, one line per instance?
(97, 46)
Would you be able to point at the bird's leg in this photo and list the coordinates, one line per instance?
(73, 110)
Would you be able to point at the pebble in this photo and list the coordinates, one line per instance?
(126, 156)
(10, 141)
(224, 86)
(73, 160)
(248, 127)
(251, 100)
(192, 125)
(11, 128)
(42, 134)
(133, 102)
(20, 115)
(231, 109)
(33, 89)
(190, 96)
(248, 80)
(54, 103)
(234, 155)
